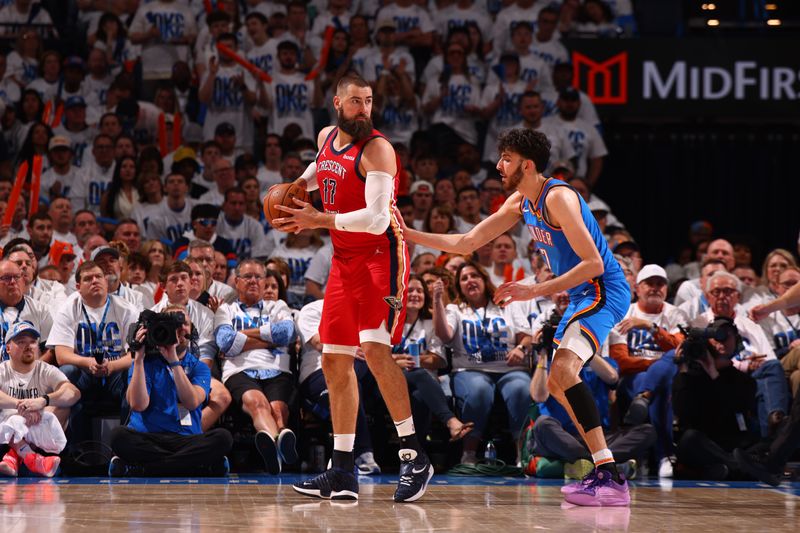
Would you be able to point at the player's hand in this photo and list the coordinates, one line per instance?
(402, 222)
(759, 313)
(633, 323)
(514, 291)
(304, 216)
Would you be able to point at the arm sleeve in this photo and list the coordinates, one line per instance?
(374, 218)
(310, 176)
(627, 364)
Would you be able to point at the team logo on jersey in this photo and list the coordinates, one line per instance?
(393, 302)
(605, 82)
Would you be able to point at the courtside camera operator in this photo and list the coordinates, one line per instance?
(712, 401)
(168, 386)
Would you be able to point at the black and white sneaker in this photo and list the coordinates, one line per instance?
(266, 446)
(415, 473)
(332, 484)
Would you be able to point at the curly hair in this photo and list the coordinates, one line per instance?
(529, 144)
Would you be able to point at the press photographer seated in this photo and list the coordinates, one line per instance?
(712, 401)
(166, 391)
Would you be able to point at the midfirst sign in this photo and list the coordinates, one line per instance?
(689, 76)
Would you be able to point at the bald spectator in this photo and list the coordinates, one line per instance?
(60, 212)
(224, 178)
(719, 249)
(128, 232)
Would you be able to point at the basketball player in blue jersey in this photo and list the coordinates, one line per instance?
(574, 248)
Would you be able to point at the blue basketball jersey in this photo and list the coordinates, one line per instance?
(554, 246)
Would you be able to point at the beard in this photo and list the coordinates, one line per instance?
(357, 128)
(513, 181)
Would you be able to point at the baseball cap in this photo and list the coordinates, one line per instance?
(564, 164)
(569, 93)
(60, 249)
(74, 61)
(101, 250)
(204, 211)
(596, 206)
(651, 271)
(59, 141)
(74, 101)
(19, 328)
(626, 244)
(224, 128)
(184, 152)
(421, 186)
(385, 24)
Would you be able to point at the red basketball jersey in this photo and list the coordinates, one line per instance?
(341, 186)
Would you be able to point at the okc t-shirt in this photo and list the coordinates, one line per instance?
(43, 379)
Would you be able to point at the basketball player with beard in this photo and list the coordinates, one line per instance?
(356, 172)
(574, 248)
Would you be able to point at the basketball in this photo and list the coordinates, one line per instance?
(282, 194)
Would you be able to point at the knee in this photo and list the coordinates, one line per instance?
(477, 391)
(279, 408)
(72, 372)
(119, 437)
(336, 367)
(219, 396)
(254, 400)
(222, 438)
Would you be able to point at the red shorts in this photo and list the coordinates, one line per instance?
(363, 292)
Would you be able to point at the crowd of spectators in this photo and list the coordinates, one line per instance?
(156, 146)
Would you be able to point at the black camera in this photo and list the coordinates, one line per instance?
(548, 333)
(695, 347)
(161, 330)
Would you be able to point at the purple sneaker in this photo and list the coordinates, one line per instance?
(603, 492)
(587, 480)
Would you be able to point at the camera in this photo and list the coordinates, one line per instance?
(695, 347)
(161, 330)
(548, 333)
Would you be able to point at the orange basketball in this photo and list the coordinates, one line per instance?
(282, 194)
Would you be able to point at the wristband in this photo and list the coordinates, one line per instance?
(174, 364)
(46, 400)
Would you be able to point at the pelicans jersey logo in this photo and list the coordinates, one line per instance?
(393, 302)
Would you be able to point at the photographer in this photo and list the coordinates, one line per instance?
(555, 435)
(711, 401)
(754, 356)
(167, 388)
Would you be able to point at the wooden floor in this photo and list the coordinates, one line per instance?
(452, 504)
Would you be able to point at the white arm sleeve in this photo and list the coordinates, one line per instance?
(310, 175)
(375, 217)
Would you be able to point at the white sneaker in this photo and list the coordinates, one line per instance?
(366, 465)
(665, 468)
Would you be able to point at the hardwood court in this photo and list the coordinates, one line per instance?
(487, 505)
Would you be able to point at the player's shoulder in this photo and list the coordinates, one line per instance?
(323, 135)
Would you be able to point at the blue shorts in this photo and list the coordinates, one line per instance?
(597, 306)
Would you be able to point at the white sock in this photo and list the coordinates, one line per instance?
(405, 427)
(22, 448)
(602, 457)
(344, 443)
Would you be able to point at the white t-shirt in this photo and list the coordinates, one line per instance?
(247, 237)
(143, 213)
(552, 52)
(266, 312)
(228, 105)
(454, 17)
(291, 96)
(307, 326)
(560, 147)
(131, 296)
(482, 337)
(50, 177)
(88, 189)
(399, 121)
(24, 69)
(319, 268)
(47, 90)
(781, 329)
(532, 69)
(267, 178)
(224, 292)
(507, 18)
(50, 294)
(174, 20)
(32, 311)
(461, 92)
(298, 260)
(585, 139)
(407, 18)
(95, 91)
(264, 56)
(640, 342)
(507, 114)
(71, 328)
(80, 142)
(374, 64)
(42, 379)
(9, 91)
(11, 15)
(435, 67)
(168, 223)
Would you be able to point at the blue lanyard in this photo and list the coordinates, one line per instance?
(3, 330)
(244, 307)
(96, 334)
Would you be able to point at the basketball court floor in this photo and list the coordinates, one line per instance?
(487, 505)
